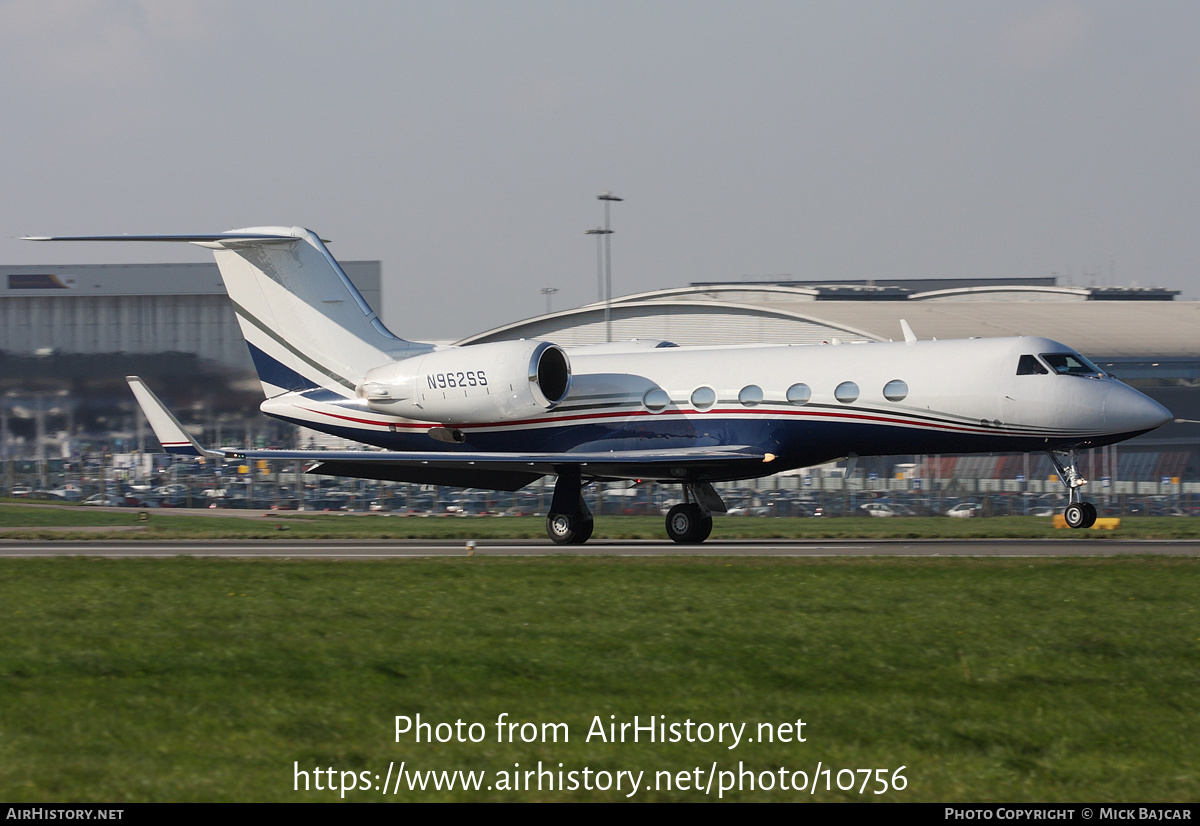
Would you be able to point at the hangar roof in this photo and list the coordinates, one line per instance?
(716, 314)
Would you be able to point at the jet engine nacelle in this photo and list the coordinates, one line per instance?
(480, 383)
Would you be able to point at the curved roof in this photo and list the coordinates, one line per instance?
(760, 313)
(1002, 293)
(711, 292)
(682, 322)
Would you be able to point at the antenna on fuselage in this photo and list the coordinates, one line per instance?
(909, 335)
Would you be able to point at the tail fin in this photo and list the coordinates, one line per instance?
(305, 323)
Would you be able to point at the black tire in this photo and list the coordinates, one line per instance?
(1076, 515)
(1089, 518)
(584, 532)
(562, 528)
(687, 524)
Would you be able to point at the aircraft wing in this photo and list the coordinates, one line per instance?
(510, 471)
(498, 471)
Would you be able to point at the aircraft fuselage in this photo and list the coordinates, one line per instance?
(805, 404)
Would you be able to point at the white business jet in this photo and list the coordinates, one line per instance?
(504, 414)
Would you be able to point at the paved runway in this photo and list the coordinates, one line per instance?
(400, 549)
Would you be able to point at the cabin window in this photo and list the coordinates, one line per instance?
(799, 394)
(703, 398)
(1030, 366)
(656, 399)
(846, 392)
(751, 395)
(1071, 364)
(895, 390)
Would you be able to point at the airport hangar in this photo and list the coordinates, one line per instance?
(79, 330)
(69, 334)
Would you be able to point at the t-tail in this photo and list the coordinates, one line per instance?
(305, 323)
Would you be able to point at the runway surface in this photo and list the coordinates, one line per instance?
(415, 548)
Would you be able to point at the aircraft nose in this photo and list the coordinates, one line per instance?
(1131, 411)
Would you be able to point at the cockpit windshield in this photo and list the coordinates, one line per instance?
(1071, 364)
(1030, 366)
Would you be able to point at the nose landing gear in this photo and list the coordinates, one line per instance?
(1079, 514)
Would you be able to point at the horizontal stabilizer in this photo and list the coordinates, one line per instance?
(219, 239)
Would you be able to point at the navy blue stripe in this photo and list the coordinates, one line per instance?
(271, 371)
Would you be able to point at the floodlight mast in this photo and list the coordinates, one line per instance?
(607, 197)
(600, 232)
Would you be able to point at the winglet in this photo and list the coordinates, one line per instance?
(166, 427)
(909, 335)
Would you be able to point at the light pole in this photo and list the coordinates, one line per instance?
(607, 198)
(599, 232)
(548, 291)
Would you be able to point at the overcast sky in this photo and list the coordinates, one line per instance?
(463, 143)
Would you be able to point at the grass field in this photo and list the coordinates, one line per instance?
(988, 680)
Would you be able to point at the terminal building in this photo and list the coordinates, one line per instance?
(75, 331)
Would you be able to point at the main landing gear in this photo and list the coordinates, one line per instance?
(687, 523)
(691, 521)
(1079, 514)
(570, 522)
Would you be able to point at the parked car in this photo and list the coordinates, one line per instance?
(966, 510)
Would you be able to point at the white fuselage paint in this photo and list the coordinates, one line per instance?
(964, 394)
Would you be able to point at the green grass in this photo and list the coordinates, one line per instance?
(989, 680)
(165, 524)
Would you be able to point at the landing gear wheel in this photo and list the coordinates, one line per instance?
(562, 528)
(585, 531)
(687, 524)
(565, 529)
(1076, 515)
(1089, 518)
